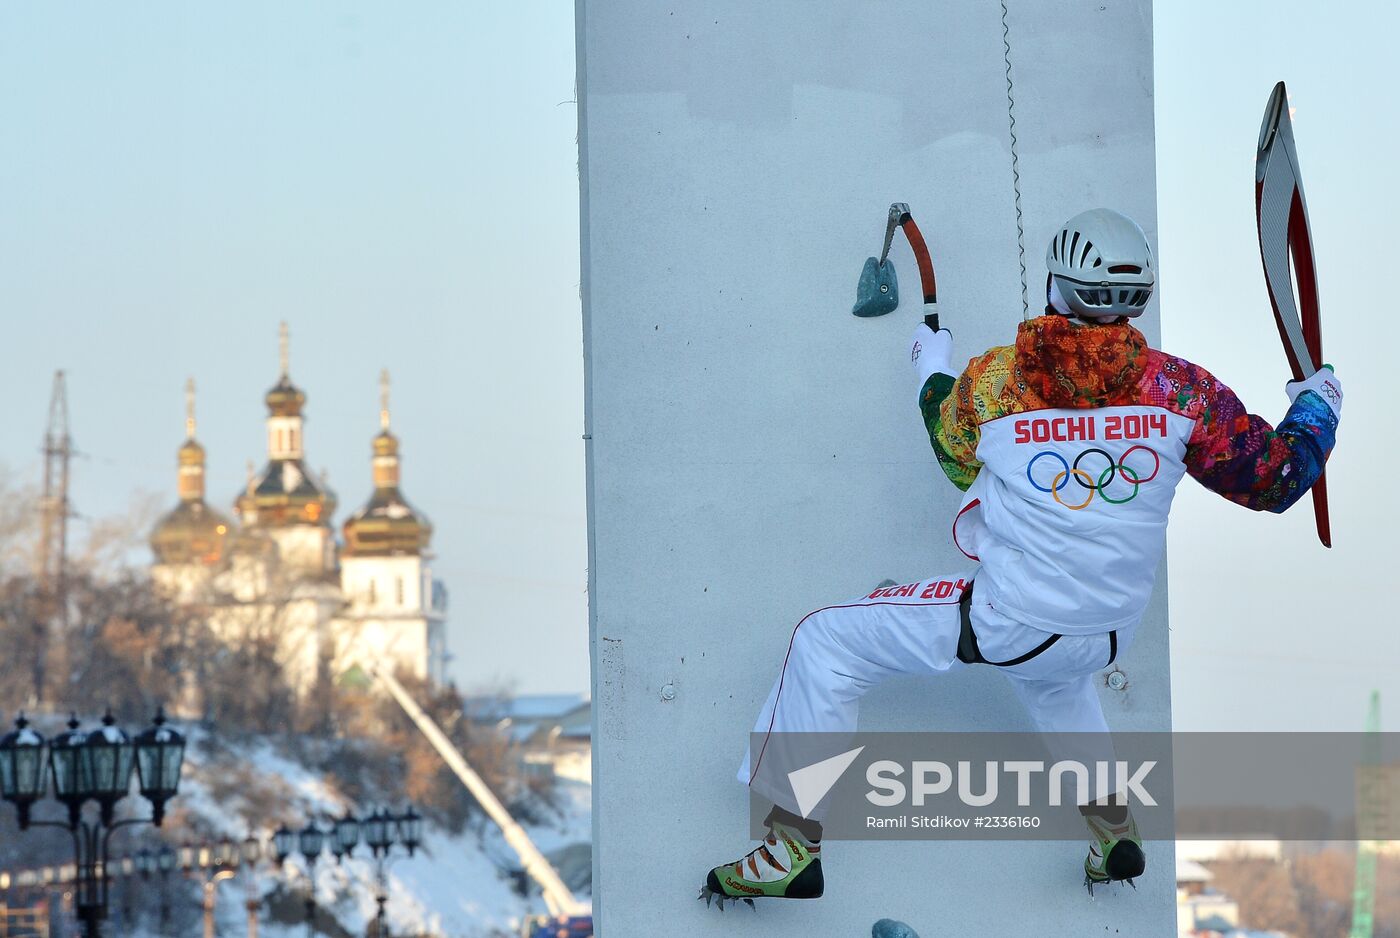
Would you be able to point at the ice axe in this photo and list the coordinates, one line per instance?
(877, 292)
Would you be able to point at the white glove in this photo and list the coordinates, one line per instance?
(931, 352)
(1327, 386)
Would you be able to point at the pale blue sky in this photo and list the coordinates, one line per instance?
(1269, 629)
(399, 182)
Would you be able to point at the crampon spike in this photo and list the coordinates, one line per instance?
(718, 899)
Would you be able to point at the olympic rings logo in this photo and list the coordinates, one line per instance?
(1113, 470)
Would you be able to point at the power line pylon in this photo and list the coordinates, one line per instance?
(1371, 810)
(55, 508)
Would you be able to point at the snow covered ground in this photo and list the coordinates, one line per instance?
(454, 886)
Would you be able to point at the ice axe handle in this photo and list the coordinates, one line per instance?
(931, 320)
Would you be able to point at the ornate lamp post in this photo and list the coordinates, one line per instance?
(224, 860)
(345, 836)
(382, 831)
(187, 855)
(410, 829)
(85, 767)
(284, 841)
(126, 866)
(162, 861)
(219, 862)
(310, 840)
(22, 768)
(250, 851)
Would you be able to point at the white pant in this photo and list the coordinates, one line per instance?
(839, 652)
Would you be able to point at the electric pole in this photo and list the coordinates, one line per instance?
(54, 510)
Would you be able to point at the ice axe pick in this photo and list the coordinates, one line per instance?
(877, 292)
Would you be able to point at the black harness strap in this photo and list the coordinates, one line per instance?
(969, 653)
(1022, 659)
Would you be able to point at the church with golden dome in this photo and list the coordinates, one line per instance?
(276, 570)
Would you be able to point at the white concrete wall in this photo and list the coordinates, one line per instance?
(755, 451)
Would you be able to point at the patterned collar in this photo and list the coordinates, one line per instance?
(1089, 365)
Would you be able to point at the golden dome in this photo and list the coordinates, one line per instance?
(285, 399)
(386, 444)
(285, 493)
(191, 454)
(191, 533)
(387, 524)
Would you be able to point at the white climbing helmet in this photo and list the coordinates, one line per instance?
(1100, 265)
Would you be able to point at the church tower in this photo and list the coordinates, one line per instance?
(395, 610)
(190, 540)
(285, 500)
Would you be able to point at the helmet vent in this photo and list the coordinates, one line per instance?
(1125, 269)
(1088, 246)
(1073, 245)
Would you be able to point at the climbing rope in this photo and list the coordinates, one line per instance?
(1015, 162)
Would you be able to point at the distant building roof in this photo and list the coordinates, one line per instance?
(1242, 848)
(527, 708)
(1189, 871)
(582, 731)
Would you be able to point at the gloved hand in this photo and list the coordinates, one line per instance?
(931, 352)
(1326, 384)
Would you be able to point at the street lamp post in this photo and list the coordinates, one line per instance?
(126, 866)
(219, 863)
(382, 831)
(283, 843)
(345, 836)
(85, 767)
(251, 853)
(309, 842)
(163, 862)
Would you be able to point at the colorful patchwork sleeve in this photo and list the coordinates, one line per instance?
(1238, 455)
(952, 427)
